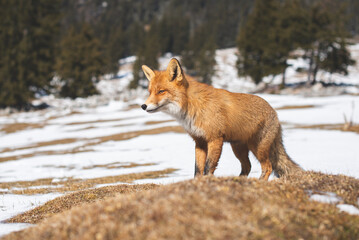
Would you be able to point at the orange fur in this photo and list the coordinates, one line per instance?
(213, 116)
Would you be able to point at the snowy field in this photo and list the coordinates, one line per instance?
(78, 139)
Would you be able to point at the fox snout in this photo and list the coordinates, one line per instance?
(151, 108)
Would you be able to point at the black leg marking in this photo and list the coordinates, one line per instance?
(196, 170)
(207, 167)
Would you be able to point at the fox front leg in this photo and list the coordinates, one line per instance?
(201, 156)
(214, 153)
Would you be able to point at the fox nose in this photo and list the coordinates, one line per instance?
(144, 106)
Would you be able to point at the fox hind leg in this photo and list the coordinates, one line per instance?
(262, 154)
(241, 152)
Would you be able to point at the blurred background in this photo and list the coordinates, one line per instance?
(65, 47)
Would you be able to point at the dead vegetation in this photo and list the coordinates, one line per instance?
(295, 107)
(101, 121)
(66, 202)
(48, 185)
(129, 135)
(158, 122)
(115, 165)
(336, 127)
(85, 146)
(15, 127)
(43, 144)
(211, 208)
(43, 153)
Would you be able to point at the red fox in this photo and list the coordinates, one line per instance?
(213, 116)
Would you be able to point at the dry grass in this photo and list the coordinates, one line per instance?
(90, 142)
(129, 135)
(66, 202)
(295, 107)
(119, 165)
(15, 127)
(133, 106)
(158, 122)
(211, 208)
(44, 153)
(43, 144)
(337, 127)
(345, 187)
(101, 121)
(73, 184)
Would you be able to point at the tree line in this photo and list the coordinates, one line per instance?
(276, 28)
(77, 41)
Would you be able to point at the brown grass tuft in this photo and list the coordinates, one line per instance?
(66, 202)
(15, 127)
(101, 121)
(345, 187)
(295, 107)
(43, 144)
(158, 122)
(91, 142)
(337, 127)
(73, 184)
(210, 208)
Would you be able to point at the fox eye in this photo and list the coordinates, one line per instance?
(161, 91)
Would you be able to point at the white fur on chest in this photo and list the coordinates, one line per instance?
(187, 122)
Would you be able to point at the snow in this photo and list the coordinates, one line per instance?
(328, 197)
(332, 198)
(348, 209)
(11, 205)
(88, 120)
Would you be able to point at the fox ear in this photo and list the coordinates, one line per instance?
(148, 72)
(175, 70)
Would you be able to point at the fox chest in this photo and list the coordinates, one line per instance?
(191, 128)
(187, 122)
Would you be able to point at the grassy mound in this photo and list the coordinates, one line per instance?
(212, 208)
(66, 202)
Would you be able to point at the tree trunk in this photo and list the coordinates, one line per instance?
(311, 62)
(282, 86)
(315, 71)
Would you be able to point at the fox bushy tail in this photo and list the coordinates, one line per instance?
(282, 164)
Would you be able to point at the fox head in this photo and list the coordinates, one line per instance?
(167, 89)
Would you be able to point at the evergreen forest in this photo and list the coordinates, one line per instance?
(79, 40)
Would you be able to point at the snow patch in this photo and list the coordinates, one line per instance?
(348, 209)
(327, 197)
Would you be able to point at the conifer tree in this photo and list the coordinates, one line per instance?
(80, 62)
(290, 33)
(325, 45)
(199, 56)
(28, 33)
(338, 59)
(258, 41)
(147, 54)
(114, 50)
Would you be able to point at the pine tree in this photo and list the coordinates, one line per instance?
(80, 62)
(199, 56)
(337, 59)
(113, 50)
(147, 54)
(28, 33)
(325, 44)
(290, 33)
(258, 41)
